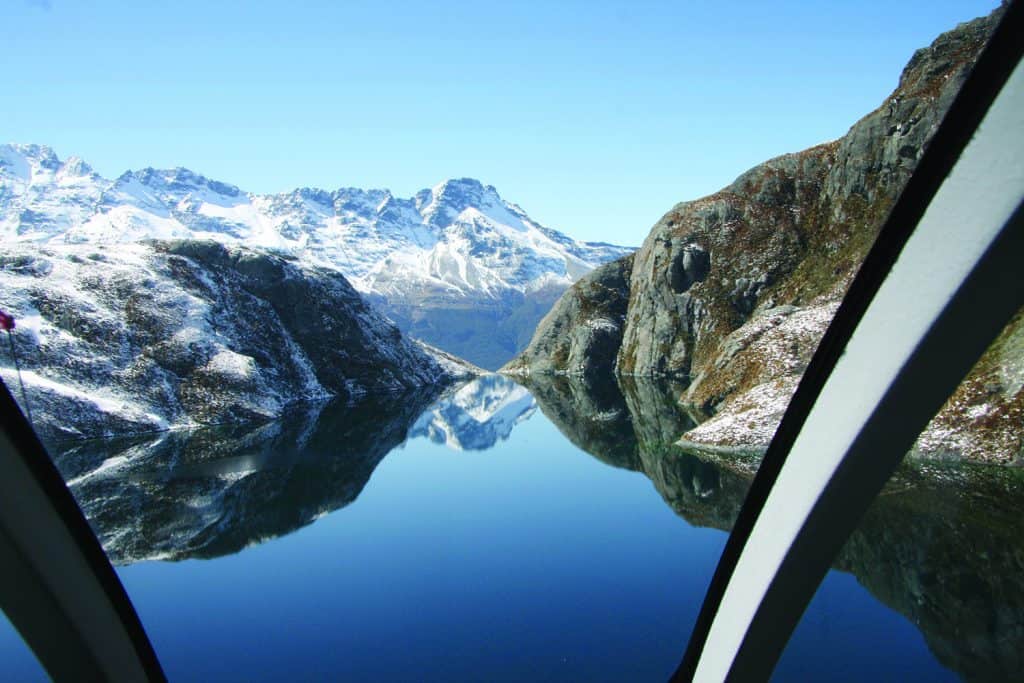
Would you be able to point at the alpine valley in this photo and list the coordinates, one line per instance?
(455, 265)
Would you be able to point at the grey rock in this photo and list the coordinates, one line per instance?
(731, 293)
(582, 333)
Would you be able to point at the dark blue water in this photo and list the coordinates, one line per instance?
(527, 561)
(308, 555)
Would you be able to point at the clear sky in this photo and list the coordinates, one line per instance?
(595, 117)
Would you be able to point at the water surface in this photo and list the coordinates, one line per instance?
(501, 532)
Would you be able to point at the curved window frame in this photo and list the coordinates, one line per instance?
(57, 586)
(896, 350)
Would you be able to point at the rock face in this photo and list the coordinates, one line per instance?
(731, 293)
(153, 335)
(582, 333)
(455, 265)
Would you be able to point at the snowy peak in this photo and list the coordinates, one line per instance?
(28, 161)
(178, 183)
(28, 165)
(449, 199)
(41, 196)
(366, 204)
(458, 238)
(457, 246)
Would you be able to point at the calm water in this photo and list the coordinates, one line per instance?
(504, 534)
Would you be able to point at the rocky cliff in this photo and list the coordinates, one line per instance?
(731, 293)
(582, 333)
(153, 335)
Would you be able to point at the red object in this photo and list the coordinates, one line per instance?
(6, 321)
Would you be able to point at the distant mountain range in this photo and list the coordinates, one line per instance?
(455, 265)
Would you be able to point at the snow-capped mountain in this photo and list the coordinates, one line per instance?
(476, 415)
(180, 333)
(447, 264)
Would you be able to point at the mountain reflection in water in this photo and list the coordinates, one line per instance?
(214, 491)
(941, 545)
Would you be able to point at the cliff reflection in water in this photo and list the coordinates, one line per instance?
(214, 491)
(942, 545)
(632, 423)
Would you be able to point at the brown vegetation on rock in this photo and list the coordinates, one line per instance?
(731, 293)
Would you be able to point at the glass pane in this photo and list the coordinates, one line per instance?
(17, 663)
(289, 488)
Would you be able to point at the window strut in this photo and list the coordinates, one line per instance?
(57, 586)
(991, 72)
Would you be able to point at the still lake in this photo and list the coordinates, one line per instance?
(498, 532)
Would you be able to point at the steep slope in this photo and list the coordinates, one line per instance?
(582, 333)
(731, 293)
(444, 264)
(154, 335)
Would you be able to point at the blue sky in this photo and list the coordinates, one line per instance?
(596, 117)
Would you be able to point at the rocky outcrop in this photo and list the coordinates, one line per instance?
(148, 336)
(730, 294)
(582, 333)
(984, 418)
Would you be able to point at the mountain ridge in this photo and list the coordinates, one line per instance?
(452, 247)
